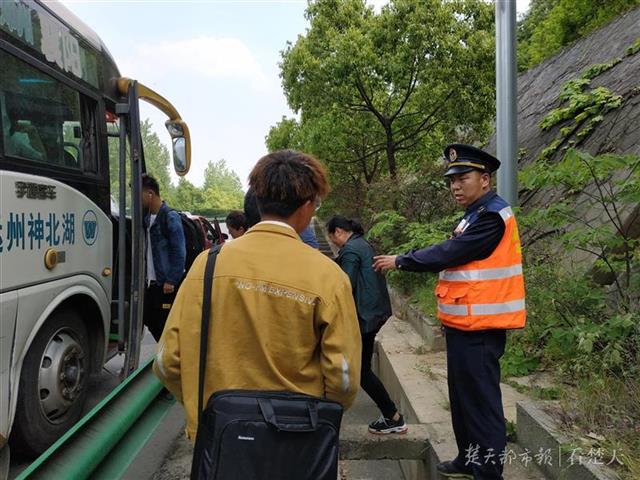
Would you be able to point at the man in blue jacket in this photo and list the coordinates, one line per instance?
(165, 256)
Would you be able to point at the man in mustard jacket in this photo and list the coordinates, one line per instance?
(283, 317)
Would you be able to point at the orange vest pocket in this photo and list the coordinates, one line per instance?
(451, 293)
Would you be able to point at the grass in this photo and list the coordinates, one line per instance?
(425, 369)
(511, 431)
(608, 408)
(423, 296)
(536, 392)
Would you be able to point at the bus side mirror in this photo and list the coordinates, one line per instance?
(181, 146)
(180, 155)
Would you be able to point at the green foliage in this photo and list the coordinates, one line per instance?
(580, 103)
(187, 196)
(157, 161)
(393, 233)
(610, 407)
(581, 110)
(379, 94)
(420, 290)
(283, 135)
(221, 192)
(571, 329)
(599, 68)
(222, 187)
(517, 362)
(633, 48)
(582, 321)
(549, 25)
(512, 431)
(388, 230)
(609, 182)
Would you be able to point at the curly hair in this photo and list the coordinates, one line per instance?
(284, 180)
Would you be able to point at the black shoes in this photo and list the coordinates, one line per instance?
(451, 470)
(384, 426)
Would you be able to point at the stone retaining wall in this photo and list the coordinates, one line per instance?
(428, 327)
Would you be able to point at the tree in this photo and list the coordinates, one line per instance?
(393, 82)
(222, 188)
(188, 197)
(157, 159)
(284, 135)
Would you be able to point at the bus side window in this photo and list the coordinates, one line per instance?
(87, 135)
(41, 117)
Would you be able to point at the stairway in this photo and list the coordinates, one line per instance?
(324, 245)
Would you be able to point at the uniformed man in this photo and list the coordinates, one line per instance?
(480, 295)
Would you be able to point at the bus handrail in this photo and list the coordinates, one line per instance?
(150, 96)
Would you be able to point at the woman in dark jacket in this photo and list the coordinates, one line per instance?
(374, 308)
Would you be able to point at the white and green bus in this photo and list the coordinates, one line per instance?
(71, 268)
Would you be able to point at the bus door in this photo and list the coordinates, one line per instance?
(131, 293)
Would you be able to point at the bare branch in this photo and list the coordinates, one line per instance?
(410, 89)
(369, 101)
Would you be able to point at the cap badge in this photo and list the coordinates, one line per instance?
(453, 155)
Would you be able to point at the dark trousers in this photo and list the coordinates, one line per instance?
(370, 383)
(473, 371)
(157, 306)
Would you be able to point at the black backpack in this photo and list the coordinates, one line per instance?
(192, 237)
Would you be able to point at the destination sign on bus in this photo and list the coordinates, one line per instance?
(33, 231)
(32, 24)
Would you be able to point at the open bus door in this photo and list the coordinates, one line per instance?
(130, 317)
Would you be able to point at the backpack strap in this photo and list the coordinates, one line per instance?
(164, 221)
(204, 327)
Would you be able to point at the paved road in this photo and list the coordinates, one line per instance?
(101, 386)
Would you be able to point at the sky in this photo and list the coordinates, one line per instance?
(216, 61)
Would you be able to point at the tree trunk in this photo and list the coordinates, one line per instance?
(391, 150)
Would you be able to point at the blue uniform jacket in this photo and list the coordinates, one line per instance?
(308, 237)
(169, 250)
(479, 239)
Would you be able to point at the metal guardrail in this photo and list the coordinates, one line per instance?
(106, 440)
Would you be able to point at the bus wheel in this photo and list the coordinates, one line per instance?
(53, 383)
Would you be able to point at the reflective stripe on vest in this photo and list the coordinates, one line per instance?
(485, 274)
(506, 213)
(460, 310)
(497, 308)
(482, 309)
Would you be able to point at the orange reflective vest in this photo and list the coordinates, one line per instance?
(489, 293)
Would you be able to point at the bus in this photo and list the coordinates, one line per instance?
(71, 246)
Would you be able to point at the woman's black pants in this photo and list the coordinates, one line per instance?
(370, 383)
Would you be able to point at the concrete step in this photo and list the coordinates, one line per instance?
(359, 416)
(417, 382)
